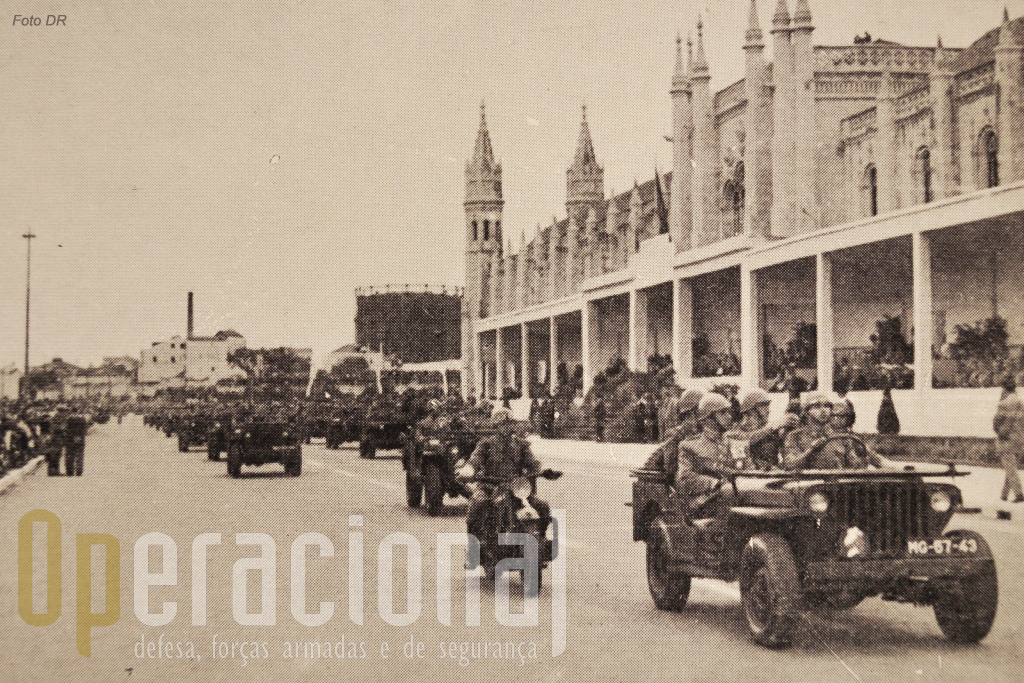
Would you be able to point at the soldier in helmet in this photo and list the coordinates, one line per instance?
(687, 427)
(702, 459)
(853, 454)
(808, 446)
(760, 440)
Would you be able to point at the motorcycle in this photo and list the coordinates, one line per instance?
(513, 508)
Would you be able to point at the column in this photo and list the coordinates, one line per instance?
(682, 330)
(524, 359)
(499, 366)
(633, 318)
(585, 345)
(750, 358)
(923, 332)
(823, 306)
(553, 354)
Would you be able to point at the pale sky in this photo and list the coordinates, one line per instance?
(138, 142)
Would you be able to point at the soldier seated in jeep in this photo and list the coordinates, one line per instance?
(819, 445)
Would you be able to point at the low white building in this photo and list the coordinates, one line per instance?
(201, 361)
(10, 380)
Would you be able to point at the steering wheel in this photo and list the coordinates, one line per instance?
(811, 453)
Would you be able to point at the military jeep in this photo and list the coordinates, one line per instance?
(258, 442)
(800, 540)
(193, 429)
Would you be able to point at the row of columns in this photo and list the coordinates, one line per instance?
(750, 334)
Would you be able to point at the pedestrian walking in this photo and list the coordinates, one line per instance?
(1009, 428)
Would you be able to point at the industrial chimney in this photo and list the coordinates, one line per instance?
(189, 335)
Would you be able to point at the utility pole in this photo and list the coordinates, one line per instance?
(28, 298)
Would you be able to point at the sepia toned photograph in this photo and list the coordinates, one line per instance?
(467, 341)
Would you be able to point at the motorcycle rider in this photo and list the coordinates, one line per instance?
(503, 456)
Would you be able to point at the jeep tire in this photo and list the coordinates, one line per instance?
(293, 465)
(669, 590)
(182, 444)
(769, 590)
(966, 609)
(212, 451)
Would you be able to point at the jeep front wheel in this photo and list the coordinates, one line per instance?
(293, 466)
(669, 590)
(433, 488)
(966, 609)
(769, 590)
(413, 490)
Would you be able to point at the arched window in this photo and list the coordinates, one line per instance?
(924, 167)
(487, 230)
(871, 189)
(990, 148)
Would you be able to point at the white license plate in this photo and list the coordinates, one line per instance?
(942, 546)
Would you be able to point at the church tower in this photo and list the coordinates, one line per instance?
(483, 207)
(584, 192)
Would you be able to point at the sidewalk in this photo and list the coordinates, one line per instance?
(980, 490)
(12, 478)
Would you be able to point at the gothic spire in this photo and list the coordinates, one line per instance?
(781, 19)
(754, 35)
(802, 14)
(679, 76)
(585, 156)
(700, 67)
(483, 154)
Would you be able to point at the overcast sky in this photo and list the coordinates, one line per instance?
(138, 139)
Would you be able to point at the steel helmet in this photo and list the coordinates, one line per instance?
(711, 404)
(754, 398)
(815, 398)
(501, 414)
(843, 406)
(689, 400)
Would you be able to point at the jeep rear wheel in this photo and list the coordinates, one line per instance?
(769, 590)
(669, 590)
(212, 452)
(234, 461)
(367, 449)
(966, 609)
(182, 444)
(433, 488)
(293, 466)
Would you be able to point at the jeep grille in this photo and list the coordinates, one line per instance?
(888, 513)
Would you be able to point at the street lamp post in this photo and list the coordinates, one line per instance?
(28, 299)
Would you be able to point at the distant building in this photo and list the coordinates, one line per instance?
(202, 361)
(10, 377)
(413, 323)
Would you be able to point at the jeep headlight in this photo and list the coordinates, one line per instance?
(434, 442)
(941, 502)
(455, 450)
(818, 502)
(284, 435)
(521, 488)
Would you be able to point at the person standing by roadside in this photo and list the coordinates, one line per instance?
(1009, 428)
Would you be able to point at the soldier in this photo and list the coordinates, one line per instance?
(853, 454)
(760, 441)
(664, 457)
(502, 456)
(700, 460)
(806, 446)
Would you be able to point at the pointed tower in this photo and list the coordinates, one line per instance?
(584, 186)
(704, 147)
(758, 155)
(940, 88)
(483, 206)
(1009, 55)
(680, 212)
(782, 114)
(805, 115)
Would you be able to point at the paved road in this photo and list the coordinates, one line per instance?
(136, 482)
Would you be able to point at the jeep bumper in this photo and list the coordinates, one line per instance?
(911, 579)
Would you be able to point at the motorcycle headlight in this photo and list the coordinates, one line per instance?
(521, 488)
(818, 502)
(941, 502)
(284, 435)
(433, 442)
(455, 450)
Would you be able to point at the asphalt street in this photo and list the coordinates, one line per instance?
(136, 483)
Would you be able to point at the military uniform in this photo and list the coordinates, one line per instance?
(827, 457)
(75, 427)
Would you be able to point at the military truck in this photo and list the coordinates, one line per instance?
(383, 425)
(807, 539)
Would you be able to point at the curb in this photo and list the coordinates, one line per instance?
(12, 478)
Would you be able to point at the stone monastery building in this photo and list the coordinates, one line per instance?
(844, 217)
